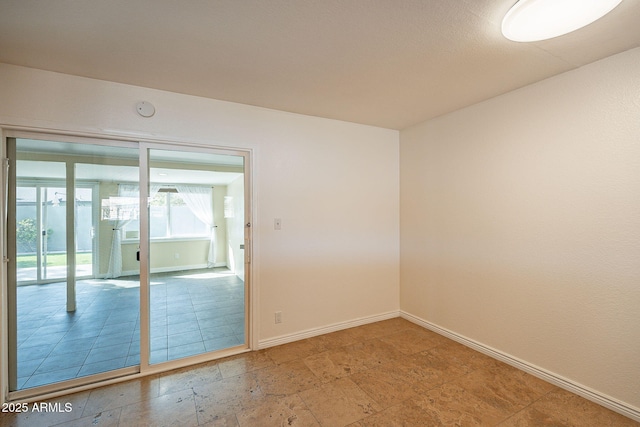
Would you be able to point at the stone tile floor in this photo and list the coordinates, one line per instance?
(389, 373)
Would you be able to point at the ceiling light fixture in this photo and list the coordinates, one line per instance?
(533, 20)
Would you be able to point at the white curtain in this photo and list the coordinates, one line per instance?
(124, 209)
(199, 200)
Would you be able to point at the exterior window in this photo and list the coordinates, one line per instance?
(170, 218)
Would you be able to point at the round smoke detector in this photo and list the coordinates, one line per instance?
(145, 109)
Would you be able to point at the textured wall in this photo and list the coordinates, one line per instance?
(520, 224)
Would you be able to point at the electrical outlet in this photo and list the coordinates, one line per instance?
(278, 317)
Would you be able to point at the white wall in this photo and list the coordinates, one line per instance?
(334, 184)
(520, 225)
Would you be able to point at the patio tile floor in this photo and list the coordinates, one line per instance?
(191, 312)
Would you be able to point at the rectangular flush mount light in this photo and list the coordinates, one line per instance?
(533, 20)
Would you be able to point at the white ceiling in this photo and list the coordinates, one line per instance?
(389, 63)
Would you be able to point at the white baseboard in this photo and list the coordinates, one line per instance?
(309, 333)
(569, 385)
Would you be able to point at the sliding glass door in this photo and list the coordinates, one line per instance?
(197, 296)
(40, 232)
(41, 227)
(69, 318)
(100, 285)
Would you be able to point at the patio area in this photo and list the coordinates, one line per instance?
(191, 312)
(28, 274)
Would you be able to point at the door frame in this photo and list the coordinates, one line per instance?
(144, 368)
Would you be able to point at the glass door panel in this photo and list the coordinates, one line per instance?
(73, 287)
(28, 256)
(53, 245)
(86, 217)
(41, 229)
(41, 226)
(197, 288)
